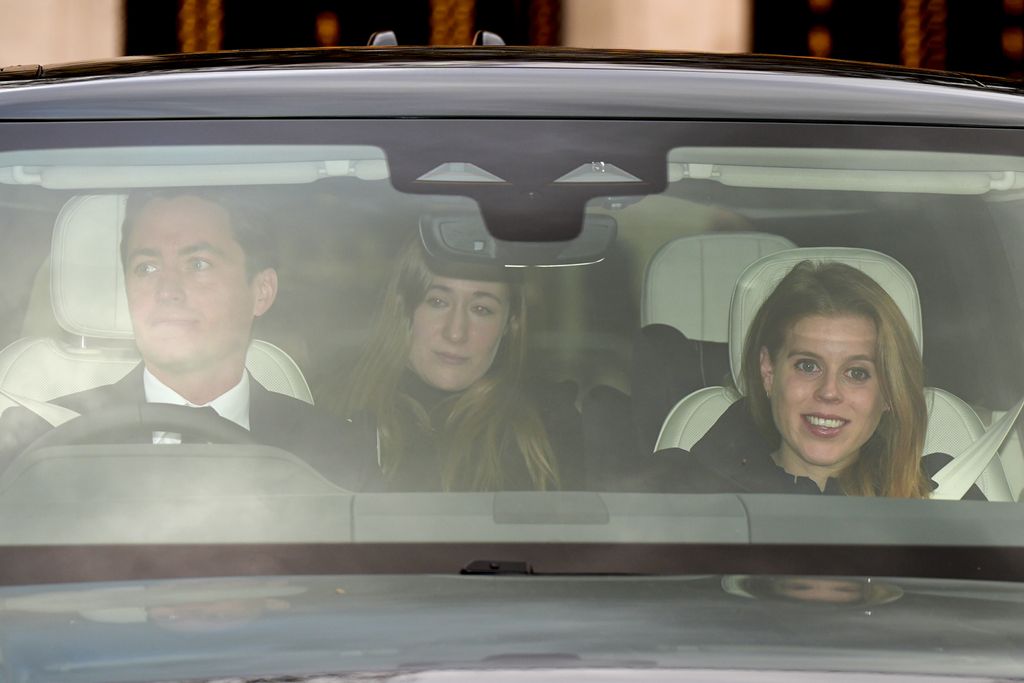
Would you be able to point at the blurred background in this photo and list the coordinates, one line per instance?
(979, 36)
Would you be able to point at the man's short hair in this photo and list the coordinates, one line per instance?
(251, 233)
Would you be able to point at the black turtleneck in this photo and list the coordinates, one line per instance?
(427, 395)
(420, 469)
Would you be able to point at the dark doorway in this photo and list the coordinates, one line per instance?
(974, 36)
(166, 26)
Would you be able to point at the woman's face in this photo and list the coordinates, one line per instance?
(825, 394)
(456, 331)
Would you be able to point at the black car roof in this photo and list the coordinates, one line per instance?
(502, 82)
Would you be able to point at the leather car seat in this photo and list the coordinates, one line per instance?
(684, 314)
(680, 348)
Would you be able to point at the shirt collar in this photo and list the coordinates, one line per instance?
(232, 405)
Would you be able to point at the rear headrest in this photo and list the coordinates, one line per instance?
(690, 280)
(86, 279)
(761, 278)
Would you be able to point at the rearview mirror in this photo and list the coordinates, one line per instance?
(464, 237)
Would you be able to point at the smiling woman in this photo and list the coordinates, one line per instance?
(443, 377)
(843, 382)
(835, 398)
(825, 399)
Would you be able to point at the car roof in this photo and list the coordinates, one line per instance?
(502, 82)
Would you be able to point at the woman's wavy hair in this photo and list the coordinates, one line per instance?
(483, 425)
(890, 462)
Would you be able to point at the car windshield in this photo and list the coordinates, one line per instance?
(510, 331)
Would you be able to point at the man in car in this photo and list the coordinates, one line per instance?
(198, 271)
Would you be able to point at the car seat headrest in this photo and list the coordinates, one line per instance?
(761, 277)
(86, 278)
(689, 281)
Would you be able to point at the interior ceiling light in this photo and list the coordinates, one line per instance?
(598, 172)
(459, 172)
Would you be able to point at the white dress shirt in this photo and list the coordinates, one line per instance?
(232, 405)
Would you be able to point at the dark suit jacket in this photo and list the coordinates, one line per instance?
(331, 445)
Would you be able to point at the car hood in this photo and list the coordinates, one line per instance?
(401, 625)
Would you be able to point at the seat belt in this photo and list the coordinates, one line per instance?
(54, 414)
(959, 475)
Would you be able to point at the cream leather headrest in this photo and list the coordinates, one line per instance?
(86, 279)
(690, 280)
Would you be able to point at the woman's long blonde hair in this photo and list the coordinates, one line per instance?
(890, 462)
(484, 424)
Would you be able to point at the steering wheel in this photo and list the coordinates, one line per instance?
(116, 424)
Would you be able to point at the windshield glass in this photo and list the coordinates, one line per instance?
(531, 332)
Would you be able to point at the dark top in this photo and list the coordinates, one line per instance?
(421, 470)
(734, 457)
(328, 444)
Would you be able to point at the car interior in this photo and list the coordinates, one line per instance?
(644, 310)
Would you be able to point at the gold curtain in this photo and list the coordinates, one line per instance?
(545, 22)
(923, 33)
(200, 25)
(451, 22)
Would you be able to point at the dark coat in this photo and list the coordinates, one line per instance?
(421, 470)
(329, 444)
(734, 457)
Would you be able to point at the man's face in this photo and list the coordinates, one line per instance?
(191, 301)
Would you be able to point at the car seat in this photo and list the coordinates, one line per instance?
(680, 348)
(952, 424)
(682, 345)
(88, 301)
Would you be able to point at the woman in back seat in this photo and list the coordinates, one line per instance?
(442, 383)
(835, 399)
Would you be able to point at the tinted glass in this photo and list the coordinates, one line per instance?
(478, 306)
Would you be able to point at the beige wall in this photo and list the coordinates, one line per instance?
(48, 31)
(693, 25)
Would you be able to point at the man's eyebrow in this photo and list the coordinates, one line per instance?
(198, 247)
(143, 251)
(184, 251)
